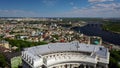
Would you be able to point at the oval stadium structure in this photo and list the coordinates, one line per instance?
(66, 55)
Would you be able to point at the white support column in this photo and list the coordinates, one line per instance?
(72, 65)
(60, 66)
(68, 65)
(84, 66)
(106, 66)
(88, 66)
(94, 66)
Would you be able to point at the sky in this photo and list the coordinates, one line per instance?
(60, 8)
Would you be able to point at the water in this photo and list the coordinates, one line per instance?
(96, 30)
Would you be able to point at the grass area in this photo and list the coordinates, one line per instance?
(112, 26)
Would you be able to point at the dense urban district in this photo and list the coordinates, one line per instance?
(19, 33)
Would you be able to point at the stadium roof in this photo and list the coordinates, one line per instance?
(63, 47)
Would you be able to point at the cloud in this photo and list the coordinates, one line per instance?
(71, 3)
(96, 1)
(75, 7)
(49, 2)
(110, 5)
(96, 10)
(16, 13)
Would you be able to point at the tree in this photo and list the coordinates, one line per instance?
(23, 44)
(114, 59)
(2, 61)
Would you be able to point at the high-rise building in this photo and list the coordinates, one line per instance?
(66, 55)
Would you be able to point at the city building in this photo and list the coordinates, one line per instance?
(5, 44)
(65, 55)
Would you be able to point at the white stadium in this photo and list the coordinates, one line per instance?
(66, 55)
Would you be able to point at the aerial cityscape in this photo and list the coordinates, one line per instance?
(60, 34)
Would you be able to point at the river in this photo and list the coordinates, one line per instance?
(96, 30)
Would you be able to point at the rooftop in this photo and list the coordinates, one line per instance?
(63, 47)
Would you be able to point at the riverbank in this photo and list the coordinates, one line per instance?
(112, 27)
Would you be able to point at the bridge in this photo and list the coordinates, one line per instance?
(94, 24)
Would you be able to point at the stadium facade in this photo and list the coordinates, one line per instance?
(66, 55)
